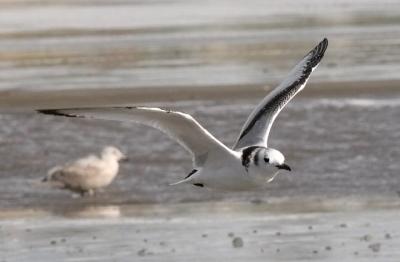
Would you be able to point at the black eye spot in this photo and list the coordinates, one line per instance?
(266, 160)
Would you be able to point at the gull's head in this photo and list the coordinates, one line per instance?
(275, 158)
(263, 157)
(114, 153)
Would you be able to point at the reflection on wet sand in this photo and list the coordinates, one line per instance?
(91, 211)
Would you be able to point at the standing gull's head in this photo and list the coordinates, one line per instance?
(114, 153)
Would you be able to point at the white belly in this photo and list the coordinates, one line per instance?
(227, 173)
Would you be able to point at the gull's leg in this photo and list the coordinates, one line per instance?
(272, 177)
(85, 193)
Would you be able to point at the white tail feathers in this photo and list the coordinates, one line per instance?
(51, 173)
(183, 181)
(54, 170)
(187, 179)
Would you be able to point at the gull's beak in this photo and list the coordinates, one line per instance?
(284, 166)
(124, 158)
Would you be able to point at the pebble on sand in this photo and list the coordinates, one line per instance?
(256, 201)
(366, 238)
(142, 252)
(237, 242)
(375, 247)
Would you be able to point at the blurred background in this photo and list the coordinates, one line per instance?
(215, 60)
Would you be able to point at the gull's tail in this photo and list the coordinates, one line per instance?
(51, 173)
(187, 179)
(183, 181)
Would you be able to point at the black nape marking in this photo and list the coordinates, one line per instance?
(191, 173)
(256, 158)
(55, 112)
(246, 155)
(198, 184)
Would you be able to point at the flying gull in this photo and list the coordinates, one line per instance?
(250, 163)
(87, 174)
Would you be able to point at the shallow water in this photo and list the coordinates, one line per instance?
(94, 45)
(336, 146)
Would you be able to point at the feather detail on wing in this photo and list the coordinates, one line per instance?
(256, 130)
(179, 126)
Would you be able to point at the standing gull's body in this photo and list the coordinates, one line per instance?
(87, 174)
(249, 162)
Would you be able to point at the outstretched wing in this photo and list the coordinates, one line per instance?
(179, 126)
(258, 125)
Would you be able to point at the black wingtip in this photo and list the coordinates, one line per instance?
(324, 44)
(317, 53)
(54, 112)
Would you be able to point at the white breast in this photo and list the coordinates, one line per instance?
(226, 172)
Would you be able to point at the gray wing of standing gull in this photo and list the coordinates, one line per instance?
(181, 127)
(256, 130)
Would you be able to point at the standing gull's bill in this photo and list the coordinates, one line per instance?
(250, 163)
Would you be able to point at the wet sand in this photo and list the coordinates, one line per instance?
(206, 231)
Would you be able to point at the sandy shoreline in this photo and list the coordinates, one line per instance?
(182, 232)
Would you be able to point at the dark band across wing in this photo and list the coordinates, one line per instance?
(256, 130)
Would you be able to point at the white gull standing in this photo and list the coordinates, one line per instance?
(87, 174)
(250, 163)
